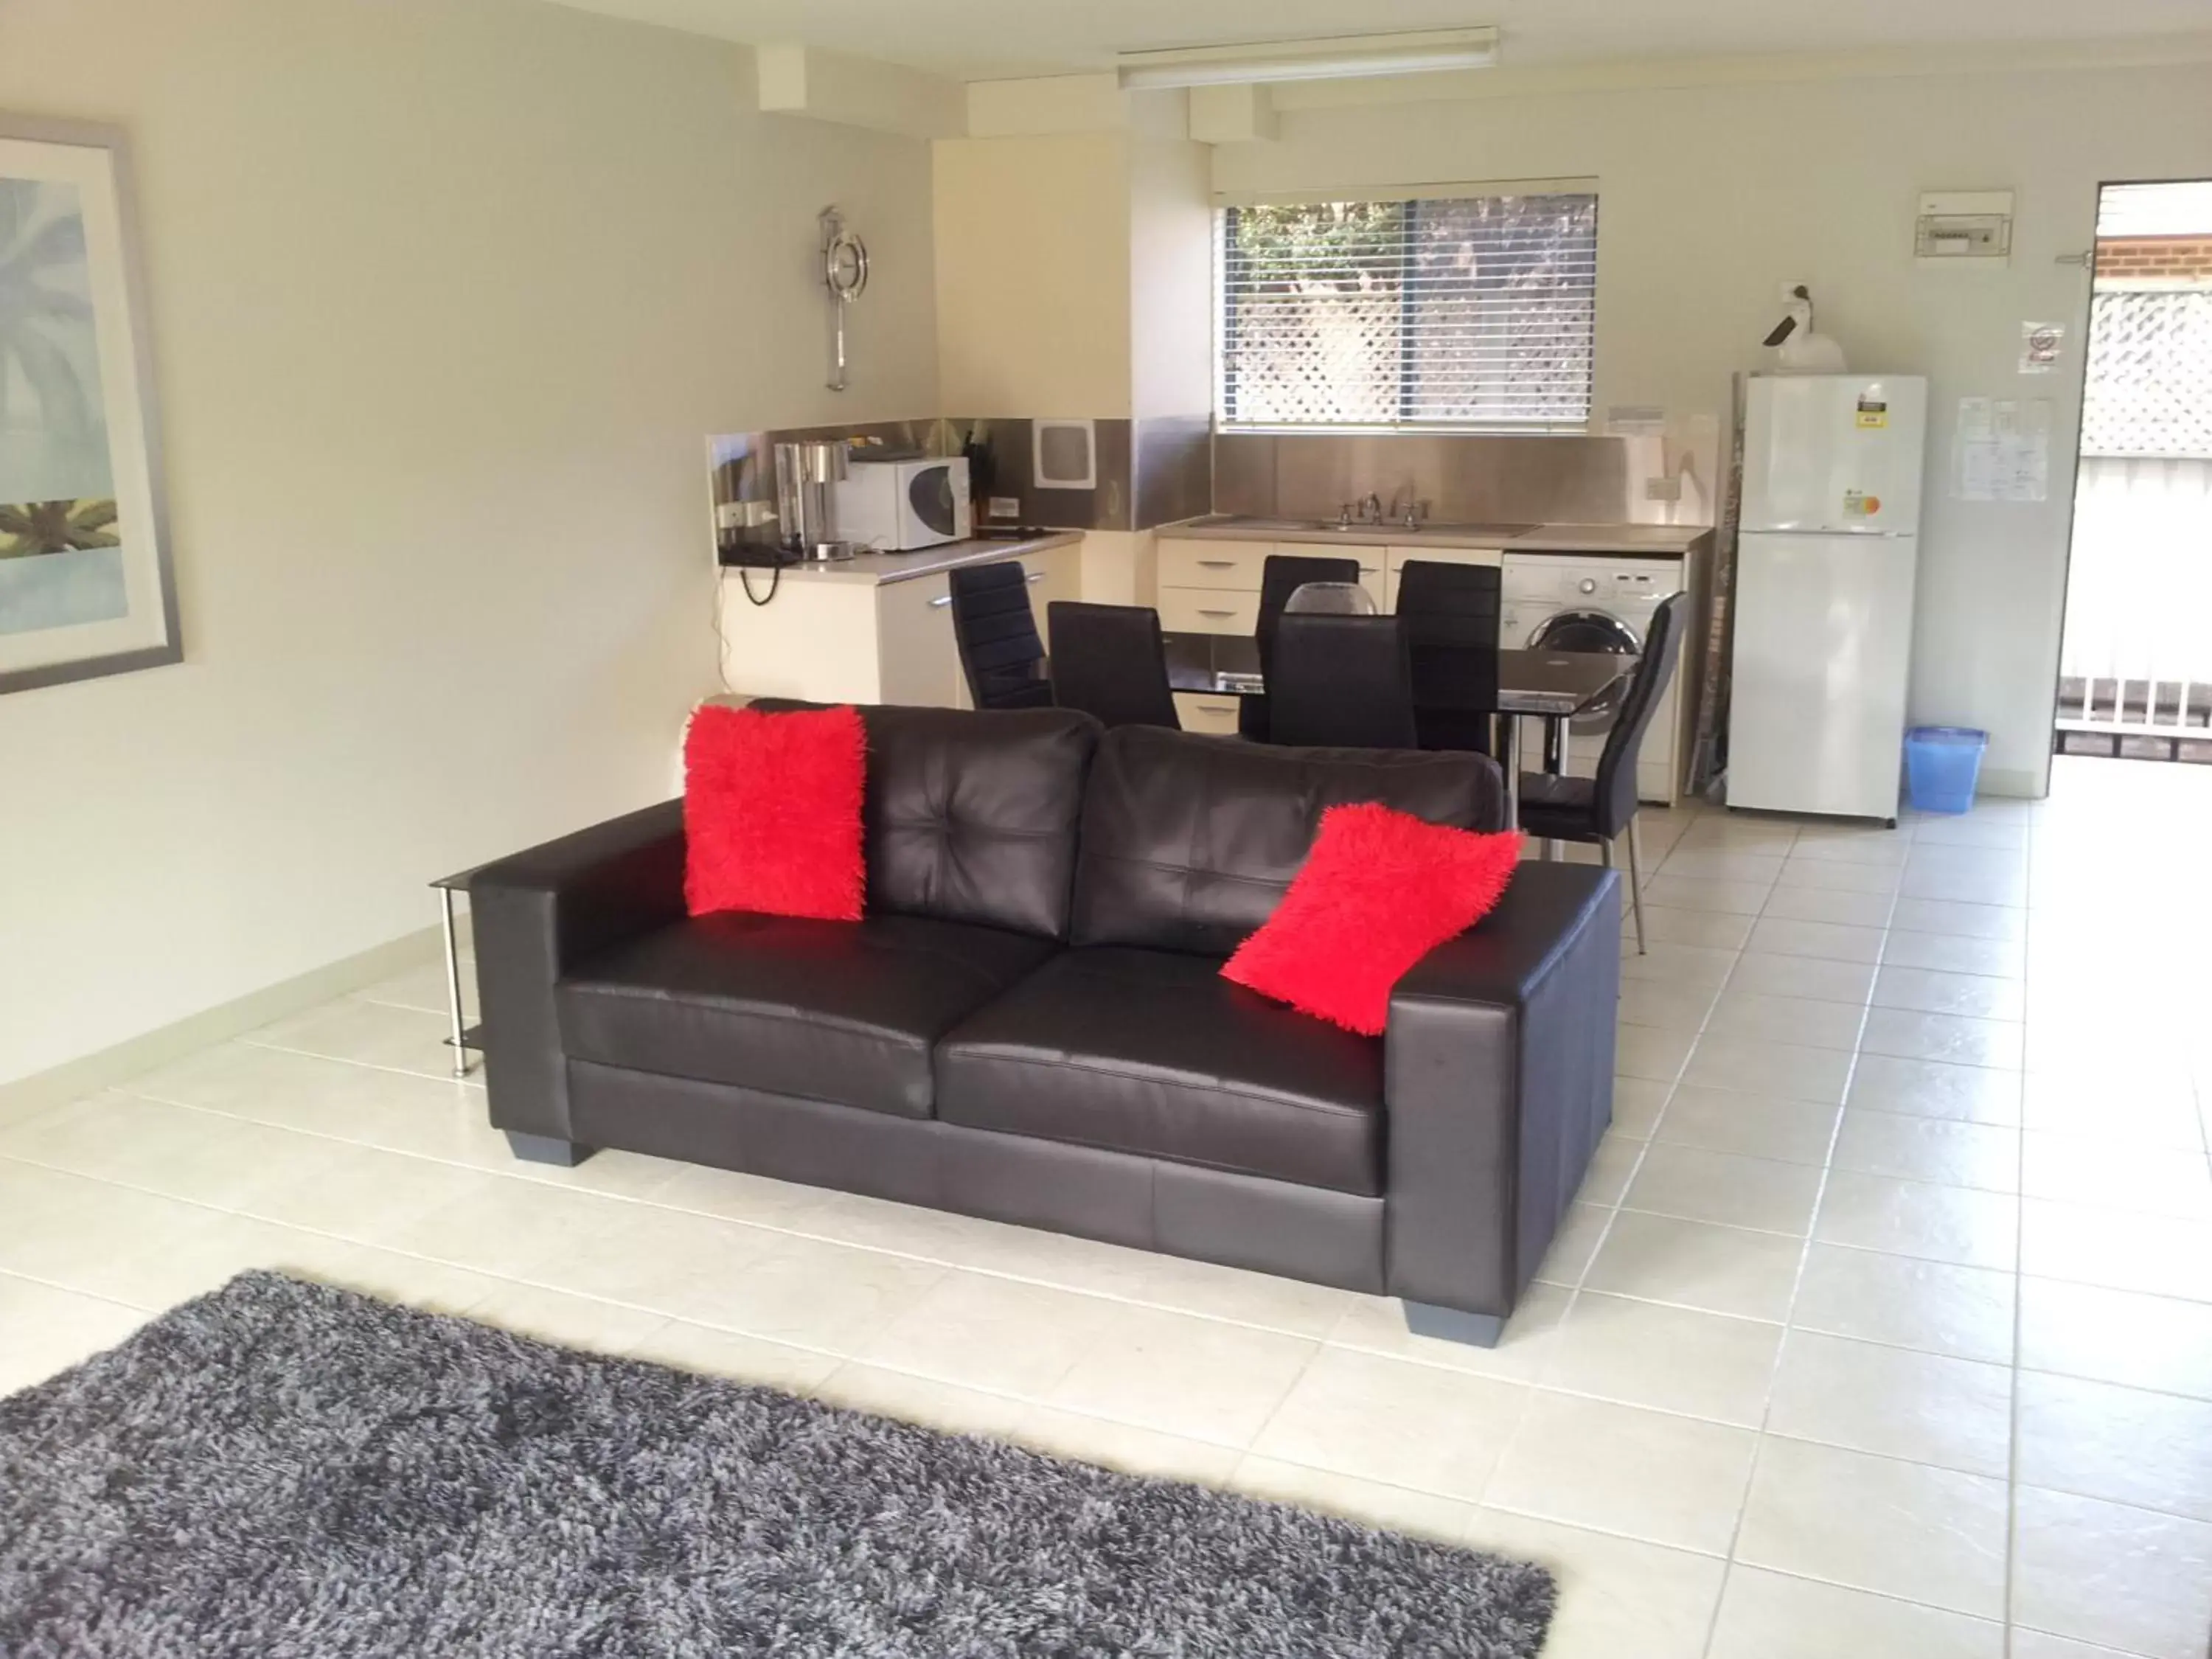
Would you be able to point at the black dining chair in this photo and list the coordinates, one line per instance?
(1108, 660)
(1280, 576)
(1599, 809)
(996, 633)
(1341, 682)
(1452, 613)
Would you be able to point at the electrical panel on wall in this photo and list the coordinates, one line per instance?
(1971, 227)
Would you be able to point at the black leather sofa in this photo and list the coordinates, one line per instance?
(1029, 1024)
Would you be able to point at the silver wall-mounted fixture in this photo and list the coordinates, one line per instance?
(845, 275)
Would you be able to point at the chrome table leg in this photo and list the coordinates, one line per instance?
(453, 983)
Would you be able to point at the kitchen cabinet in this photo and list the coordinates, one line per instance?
(916, 660)
(847, 634)
(1200, 578)
(1208, 611)
(1214, 713)
(1213, 565)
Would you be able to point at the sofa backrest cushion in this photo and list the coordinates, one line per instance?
(1188, 842)
(972, 815)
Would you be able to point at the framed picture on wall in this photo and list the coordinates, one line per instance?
(85, 587)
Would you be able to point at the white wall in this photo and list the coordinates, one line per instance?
(1711, 196)
(445, 293)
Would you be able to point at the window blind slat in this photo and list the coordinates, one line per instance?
(1468, 310)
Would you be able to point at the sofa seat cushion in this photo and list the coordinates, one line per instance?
(837, 1011)
(1152, 1051)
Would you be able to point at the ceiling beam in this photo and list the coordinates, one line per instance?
(1233, 114)
(858, 92)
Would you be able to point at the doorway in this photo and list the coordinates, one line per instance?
(2135, 667)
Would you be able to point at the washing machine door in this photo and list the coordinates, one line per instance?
(1589, 630)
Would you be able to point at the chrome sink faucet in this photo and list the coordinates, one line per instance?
(1371, 510)
(1410, 516)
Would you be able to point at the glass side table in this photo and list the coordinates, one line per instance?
(466, 1039)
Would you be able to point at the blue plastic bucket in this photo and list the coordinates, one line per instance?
(1941, 765)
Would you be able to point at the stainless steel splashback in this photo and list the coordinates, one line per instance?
(1463, 478)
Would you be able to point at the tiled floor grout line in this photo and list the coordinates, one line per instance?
(784, 1231)
(2048, 922)
(2018, 1302)
(473, 1080)
(1574, 1298)
(1766, 1405)
(72, 1290)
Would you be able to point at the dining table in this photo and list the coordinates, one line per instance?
(1550, 686)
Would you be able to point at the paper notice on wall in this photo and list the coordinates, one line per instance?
(2002, 447)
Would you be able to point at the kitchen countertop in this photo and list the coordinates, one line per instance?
(1651, 541)
(1670, 541)
(879, 568)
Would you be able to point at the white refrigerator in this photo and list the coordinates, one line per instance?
(1827, 541)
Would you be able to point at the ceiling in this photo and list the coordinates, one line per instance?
(981, 39)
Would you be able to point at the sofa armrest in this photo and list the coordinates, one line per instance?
(535, 915)
(1498, 1081)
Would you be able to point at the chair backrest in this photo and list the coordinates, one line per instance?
(1614, 796)
(1280, 576)
(1341, 682)
(997, 635)
(1452, 613)
(1108, 660)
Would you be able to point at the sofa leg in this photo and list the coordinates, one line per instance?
(547, 1149)
(1450, 1325)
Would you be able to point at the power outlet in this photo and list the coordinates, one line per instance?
(1662, 489)
(1005, 507)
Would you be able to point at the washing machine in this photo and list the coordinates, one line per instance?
(1573, 603)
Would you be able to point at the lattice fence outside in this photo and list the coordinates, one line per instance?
(2149, 374)
(1325, 355)
(1480, 311)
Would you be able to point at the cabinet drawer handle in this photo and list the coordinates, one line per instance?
(1037, 575)
(1217, 613)
(1216, 708)
(1217, 564)
(939, 604)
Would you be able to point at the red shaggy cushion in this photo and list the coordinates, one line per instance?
(1380, 890)
(772, 813)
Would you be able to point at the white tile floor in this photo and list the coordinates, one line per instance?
(1884, 1327)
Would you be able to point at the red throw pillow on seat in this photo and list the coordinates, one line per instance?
(1380, 890)
(772, 813)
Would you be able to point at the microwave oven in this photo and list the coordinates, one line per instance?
(892, 505)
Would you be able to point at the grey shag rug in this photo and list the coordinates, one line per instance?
(286, 1471)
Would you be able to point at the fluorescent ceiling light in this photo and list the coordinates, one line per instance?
(1417, 53)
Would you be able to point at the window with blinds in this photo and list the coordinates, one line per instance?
(1475, 312)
